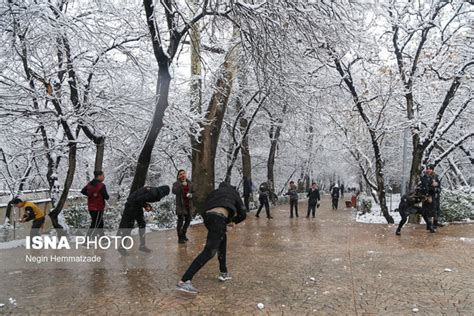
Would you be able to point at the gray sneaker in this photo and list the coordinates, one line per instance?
(186, 287)
(224, 276)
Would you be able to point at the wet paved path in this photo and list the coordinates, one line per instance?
(328, 265)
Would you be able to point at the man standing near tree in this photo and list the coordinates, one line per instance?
(96, 193)
(431, 188)
(313, 199)
(183, 189)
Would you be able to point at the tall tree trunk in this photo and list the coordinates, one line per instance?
(203, 175)
(162, 91)
(379, 166)
(67, 185)
(196, 77)
(99, 153)
(275, 132)
(196, 69)
(245, 153)
(237, 146)
(164, 60)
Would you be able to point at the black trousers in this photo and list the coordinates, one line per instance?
(131, 214)
(436, 208)
(413, 210)
(97, 223)
(335, 202)
(182, 226)
(311, 209)
(264, 202)
(293, 204)
(216, 242)
(36, 227)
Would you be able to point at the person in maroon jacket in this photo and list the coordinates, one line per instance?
(96, 193)
(183, 189)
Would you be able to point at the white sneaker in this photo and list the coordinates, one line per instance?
(186, 287)
(224, 276)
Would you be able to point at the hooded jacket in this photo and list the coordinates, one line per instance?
(148, 195)
(227, 197)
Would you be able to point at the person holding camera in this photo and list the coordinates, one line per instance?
(183, 189)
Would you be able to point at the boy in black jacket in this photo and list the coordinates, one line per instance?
(222, 207)
(136, 202)
(409, 205)
(313, 199)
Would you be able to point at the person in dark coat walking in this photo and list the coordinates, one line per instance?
(431, 188)
(293, 194)
(247, 184)
(183, 189)
(136, 203)
(223, 207)
(335, 196)
(263, 196)
(342, 190)
(313, 199)
(96, 193)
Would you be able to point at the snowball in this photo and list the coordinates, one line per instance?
(448, 270)
(415, 310)
(2, 305)
(260, 306)
(312, 279)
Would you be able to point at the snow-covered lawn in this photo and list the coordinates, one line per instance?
(375, 216)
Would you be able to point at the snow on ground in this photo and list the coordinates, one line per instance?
(12, 244)
(463, 239)
(375, 216)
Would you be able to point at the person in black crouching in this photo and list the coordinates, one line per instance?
(136, 203)
(223, 207)
(409, 204)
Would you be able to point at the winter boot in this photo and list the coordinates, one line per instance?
(183, 235)
(143, 247)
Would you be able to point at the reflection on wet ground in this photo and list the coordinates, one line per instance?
(326, 265)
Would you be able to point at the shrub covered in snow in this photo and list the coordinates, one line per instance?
(456, 206)
(77, 215)
(163, 215)
(364, 203)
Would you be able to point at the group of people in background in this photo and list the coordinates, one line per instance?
(264, 192)
(223, 207)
